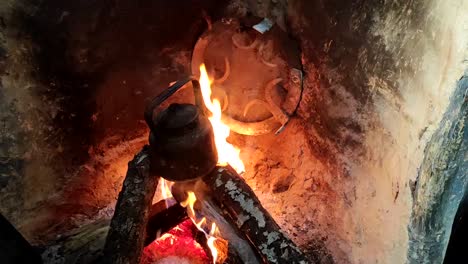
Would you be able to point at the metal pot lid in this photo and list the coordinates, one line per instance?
(256, 76)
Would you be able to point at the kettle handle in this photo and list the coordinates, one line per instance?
(159, 99)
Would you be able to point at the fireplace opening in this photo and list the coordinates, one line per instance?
(232, 131)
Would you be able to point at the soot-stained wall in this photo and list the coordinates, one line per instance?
(378, 78)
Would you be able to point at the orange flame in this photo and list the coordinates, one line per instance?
(211, 243)
(189, 203)
(227, 153)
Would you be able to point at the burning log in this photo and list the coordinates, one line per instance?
(226, 199)
(203, 212)
(163, 218)
(239, 202)
(202, 240)
(85, 244)
(125, 240)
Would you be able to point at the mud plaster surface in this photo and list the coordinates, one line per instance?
(72, 106)
(367, 114)
(378, 80)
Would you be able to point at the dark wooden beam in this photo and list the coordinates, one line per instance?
(237, 200)
(164, 215)
(126, 238)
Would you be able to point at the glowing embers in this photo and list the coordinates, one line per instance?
(227, 153)
(201, 232)
(201, 225)
(211, 242)
(177, 245)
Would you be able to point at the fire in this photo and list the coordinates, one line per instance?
(211, 243)
(165, 188)
(189, 203)
(227, 153)
(168, 236)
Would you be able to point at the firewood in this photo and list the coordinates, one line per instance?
(236, 199)
(164, 215)
(85, 244)
(226, 253)
(126, 238)
(239, 248)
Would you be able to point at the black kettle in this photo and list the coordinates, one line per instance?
(181, 140)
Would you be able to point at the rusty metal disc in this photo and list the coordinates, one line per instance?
(256, 76)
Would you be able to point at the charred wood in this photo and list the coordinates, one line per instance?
(226, 253)
(239, 248)
(251, 233)
(85, 245)
(164, 215)
(126, 239)
(201, 239)
(239, 202)
(232, 256)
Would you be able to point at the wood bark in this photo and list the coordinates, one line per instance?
(229, 200)
(164, 215)
(226, 253)
(239, 248)
(85, 245)
(236, 199)
(126, 238)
